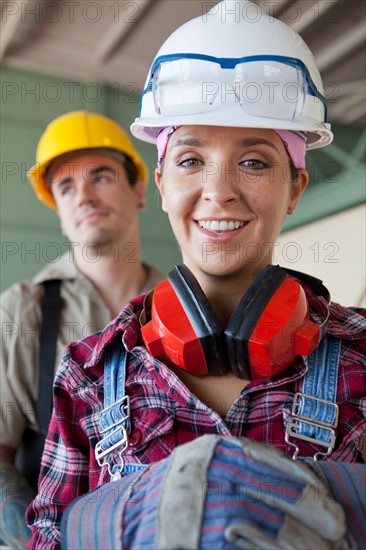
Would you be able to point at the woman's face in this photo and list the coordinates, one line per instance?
(227, 192)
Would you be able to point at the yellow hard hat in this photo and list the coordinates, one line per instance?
(75, 131)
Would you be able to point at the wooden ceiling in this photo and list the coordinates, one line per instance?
(114, 41)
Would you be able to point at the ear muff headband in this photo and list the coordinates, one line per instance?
(245, 318)
(203, 320)
(268, 329)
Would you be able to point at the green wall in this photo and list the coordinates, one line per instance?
(30, 235)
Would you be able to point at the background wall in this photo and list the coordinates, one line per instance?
(332, 249)
(325, 237)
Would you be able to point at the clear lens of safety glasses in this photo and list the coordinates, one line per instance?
(270, 89)
(179, 89)
(264, 88)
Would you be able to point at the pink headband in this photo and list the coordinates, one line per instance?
(162, 140)
(295, 144)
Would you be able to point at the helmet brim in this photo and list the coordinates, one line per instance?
(146, 129)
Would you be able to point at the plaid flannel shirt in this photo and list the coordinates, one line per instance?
(164, 413)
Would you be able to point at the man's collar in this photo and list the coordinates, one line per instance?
(63, 268)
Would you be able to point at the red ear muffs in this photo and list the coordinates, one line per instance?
(183, 325)
(268, 329)
(270, 326)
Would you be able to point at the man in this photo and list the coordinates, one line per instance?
(89, 171)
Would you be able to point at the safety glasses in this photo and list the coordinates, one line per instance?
(263, 86)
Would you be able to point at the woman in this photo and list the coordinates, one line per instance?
(224, 189)
(224, 346)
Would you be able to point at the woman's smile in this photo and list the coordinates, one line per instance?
(221, 231)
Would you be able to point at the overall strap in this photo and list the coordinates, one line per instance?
(51, 308)
(314, 414)
(114, 422)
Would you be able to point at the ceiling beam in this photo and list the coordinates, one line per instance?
(311, 12)
(119, 30)
(11, 15)
(326, 198)
(343, 157)
(341, 46)
(359, 149)
(356, 112)
(272, 7)
(349, 93)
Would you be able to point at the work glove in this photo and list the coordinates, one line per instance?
(294, 508)
(254, 493)
(213, 493)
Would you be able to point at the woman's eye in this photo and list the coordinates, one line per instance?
(254, 164)
(189, 162)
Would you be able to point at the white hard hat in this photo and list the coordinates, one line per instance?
(235, 66)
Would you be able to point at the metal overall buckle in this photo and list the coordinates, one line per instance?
(110, 443)
(292, 428)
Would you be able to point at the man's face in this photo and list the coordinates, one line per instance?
(95, 201)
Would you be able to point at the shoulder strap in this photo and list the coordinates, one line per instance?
(51, 308)
(114, 421)
(314, 414)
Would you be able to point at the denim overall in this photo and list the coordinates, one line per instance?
(313, 418)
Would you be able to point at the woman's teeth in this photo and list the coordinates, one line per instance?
(220, 225)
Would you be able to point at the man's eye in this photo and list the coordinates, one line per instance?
(103, 178)
(66, 190)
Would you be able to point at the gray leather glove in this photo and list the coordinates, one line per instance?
(311, 518)
(214, 492)
(277, 503)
